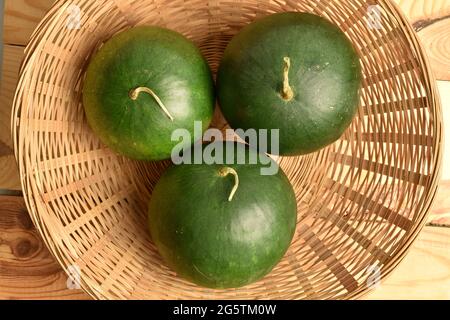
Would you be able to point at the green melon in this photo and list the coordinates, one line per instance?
(295, 72)
(215, 235)
(142, 85)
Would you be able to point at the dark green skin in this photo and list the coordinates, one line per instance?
(325, 76)
(163, 61)
(216, 243)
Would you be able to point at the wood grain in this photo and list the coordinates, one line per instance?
(27, 270)
(9, 173)
(12, 57)
(431, 19)
(21, 17)
(444, 92)
(424, 273)
(436, 38)
(440, 215)
(420, 11)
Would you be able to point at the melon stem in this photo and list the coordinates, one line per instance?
(287, 93)
(134, 94)
(226, 171)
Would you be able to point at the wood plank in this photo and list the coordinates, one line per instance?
(440, 215)
(9, 173)
(436, 39)
(431, 19)
(425, 271)
(422, 11)
(27, 269)
(21, 18)
(444, 92)
(12, 57)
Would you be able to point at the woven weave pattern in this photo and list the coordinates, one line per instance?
(362, 201)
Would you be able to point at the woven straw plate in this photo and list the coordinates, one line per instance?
(362, 201)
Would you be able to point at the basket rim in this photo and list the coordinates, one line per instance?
(392, 264)
(397, 256)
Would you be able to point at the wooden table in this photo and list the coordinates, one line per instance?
(27, 269)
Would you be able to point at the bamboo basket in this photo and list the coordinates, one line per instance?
(362, 201)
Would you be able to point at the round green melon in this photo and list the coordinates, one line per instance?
(218, 232)
(295, 72)
(142, 85)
